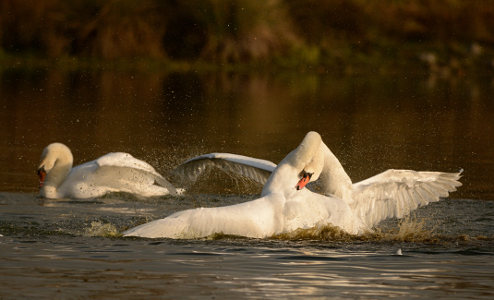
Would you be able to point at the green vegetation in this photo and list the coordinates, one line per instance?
(344, 35)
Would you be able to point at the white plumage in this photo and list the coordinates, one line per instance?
(113, 172)
(395, 193)
(355, 208)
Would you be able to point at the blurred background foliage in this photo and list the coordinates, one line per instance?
(454, 33)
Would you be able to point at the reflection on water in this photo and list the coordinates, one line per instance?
(65, 247)
(73, 247)
(371, 123)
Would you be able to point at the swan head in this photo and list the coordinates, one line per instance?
(55, 154)
(309, 159)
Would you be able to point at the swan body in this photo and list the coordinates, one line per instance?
(113, 172)
(286, 205)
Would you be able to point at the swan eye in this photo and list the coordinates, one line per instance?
(304, 174)
(41, 170)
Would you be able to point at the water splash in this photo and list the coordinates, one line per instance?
(319, 232)
(410, 230)
(100, 229)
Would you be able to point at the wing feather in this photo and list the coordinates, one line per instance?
(395, 193)
(255, 169)
(125, 161)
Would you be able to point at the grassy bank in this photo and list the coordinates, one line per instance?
(450, 36)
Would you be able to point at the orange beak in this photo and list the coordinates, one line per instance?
(303, 181)
(41, 176)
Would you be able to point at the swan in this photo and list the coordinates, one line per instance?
(286, 204)
(113, 172)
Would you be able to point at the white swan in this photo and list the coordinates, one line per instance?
(285, 205)
(113, 172)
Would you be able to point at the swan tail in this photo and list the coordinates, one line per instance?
(161, 228)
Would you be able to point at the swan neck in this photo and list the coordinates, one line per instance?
(56, 177)
(282, 177)
(334, 179)
(313, 154)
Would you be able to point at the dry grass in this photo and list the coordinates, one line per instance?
(462, 20)
(245, 30)
(124, 28)
(442, 20)
(225, 31)
(32, 25)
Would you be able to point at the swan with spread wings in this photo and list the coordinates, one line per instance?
(286, 204)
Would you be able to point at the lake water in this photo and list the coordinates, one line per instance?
(72, 248)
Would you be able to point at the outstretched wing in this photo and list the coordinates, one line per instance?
(255, 169)
(395, 193)
(129, 163)
(125, 160)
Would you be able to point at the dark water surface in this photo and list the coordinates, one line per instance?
(68, 248)
(72, 248)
